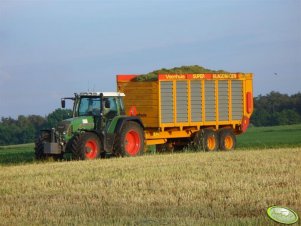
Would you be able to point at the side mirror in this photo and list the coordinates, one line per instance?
(63, 103)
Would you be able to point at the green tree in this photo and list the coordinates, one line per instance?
(260, 117)
(24, 129)
(58, 115)
(276, 109)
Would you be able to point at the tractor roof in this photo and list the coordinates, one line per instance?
(105, 94)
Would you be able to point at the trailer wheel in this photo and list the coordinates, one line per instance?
(85, 146)
(227, 140)
(39, 146)
(198, 141)
(210, 140)
(206, 140)
(130, 141)
(167, 147)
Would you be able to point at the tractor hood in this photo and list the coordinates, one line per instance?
(72, 125)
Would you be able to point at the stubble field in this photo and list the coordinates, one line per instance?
(190, 188)
(222, 188)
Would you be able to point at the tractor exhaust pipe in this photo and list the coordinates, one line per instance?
(52, 135)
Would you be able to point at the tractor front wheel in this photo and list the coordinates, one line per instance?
(39, 146)
(85, 146)
(43, 138)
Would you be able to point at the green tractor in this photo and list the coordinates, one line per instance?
(98, 127)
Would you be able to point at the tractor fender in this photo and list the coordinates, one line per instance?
(98, 134)
(123, 120)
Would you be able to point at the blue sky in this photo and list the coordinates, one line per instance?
(50, 49)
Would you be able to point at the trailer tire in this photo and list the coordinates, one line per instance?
(206, 140)
(198, 141)
(211, 141)
(130, 141)
(227, 140)
(167, 147)
(85, 146)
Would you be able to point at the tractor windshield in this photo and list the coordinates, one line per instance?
(89, 106)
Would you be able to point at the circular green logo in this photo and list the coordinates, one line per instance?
(282, 215)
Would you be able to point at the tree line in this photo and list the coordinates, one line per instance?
(276, 109)
(24, 129)
(269, 110)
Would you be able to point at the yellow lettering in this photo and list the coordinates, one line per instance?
(198, 76)
(224, 76)
(175, 76)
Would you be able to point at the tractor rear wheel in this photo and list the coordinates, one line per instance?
(227, 140)
(130, 141)
(85, 146)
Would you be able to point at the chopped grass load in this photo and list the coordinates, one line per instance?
(194, 69)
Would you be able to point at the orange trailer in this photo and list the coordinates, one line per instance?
(206, 110)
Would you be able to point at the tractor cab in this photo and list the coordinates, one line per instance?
(108, 104)
(95, 110)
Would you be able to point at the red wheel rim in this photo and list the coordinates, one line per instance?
(91, 149)
(132, 143)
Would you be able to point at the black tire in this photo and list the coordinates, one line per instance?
(39, 146)
(167, 147)
(198, 141)
(85, 146)
(227, 140)
(130, 141)
(206, 140)
(211, 141)
(160, 148)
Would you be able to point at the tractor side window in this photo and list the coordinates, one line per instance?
(113, 105)
(121, 106)
(110, 112)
